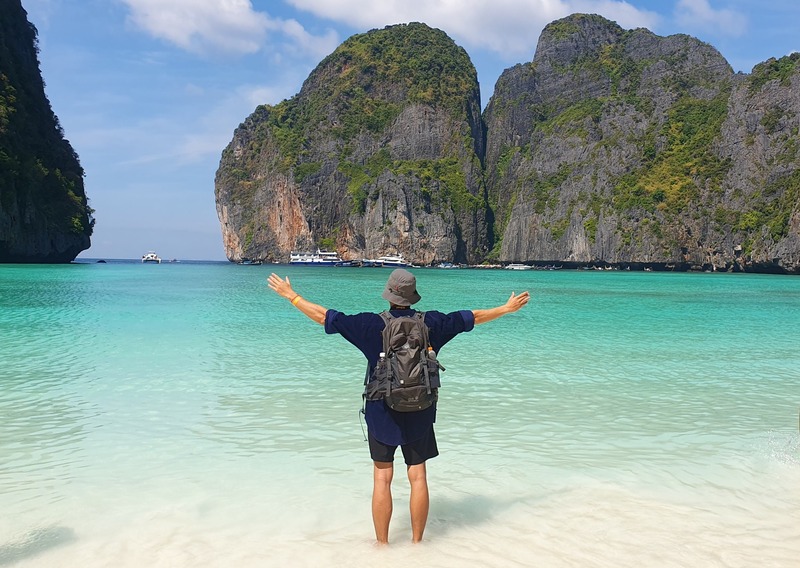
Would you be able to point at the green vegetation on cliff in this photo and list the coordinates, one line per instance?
(441, 181)
(378, 73)
(671, 179)
(367, 81)
(565, 28)
(771, 210)
(677, 157)
(774, 69)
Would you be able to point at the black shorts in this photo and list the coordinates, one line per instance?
(415, 453)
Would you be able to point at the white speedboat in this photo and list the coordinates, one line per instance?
(518, 266)
(392, 260)
(151, 256)
(319, 258)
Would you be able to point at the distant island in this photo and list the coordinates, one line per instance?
(612, 147)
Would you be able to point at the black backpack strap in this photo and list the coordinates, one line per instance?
(386, 317)
(421, 317)
(426, 340)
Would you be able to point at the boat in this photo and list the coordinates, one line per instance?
(447, 265)
(518, 266)
(319, 258)
(250, 262)
(151, 256)
(393, 260)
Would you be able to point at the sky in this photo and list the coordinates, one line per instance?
(149, 92)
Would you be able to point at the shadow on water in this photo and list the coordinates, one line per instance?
(470, 510)
(35, 542)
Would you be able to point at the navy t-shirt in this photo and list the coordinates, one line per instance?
(364, 331)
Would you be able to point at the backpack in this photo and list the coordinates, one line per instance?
(407, 374)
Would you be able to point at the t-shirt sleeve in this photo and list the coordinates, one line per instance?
(444, 327)
(362, 330)
(331, 317)
(469, 319)
(346, 325)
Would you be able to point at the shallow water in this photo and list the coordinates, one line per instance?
(184, 415)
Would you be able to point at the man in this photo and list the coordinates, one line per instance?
(388, 429)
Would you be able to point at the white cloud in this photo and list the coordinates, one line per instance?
(202, 25)
(316, 46)
(698, 14)
(220, 26)
(508, 27)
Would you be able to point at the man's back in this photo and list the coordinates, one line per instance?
(364, 331)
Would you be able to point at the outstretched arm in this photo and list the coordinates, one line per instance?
(513, 304)
(284, 288)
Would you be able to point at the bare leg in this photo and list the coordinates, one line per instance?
(382, 500)
(420, 501)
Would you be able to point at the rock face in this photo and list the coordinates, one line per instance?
(624, 147)
(378, 153)
(612, 146)
(44, 214)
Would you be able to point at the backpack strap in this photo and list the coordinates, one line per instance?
(421, 318)
(426, 345)
(386, 317)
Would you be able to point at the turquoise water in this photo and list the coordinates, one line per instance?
(184, 415)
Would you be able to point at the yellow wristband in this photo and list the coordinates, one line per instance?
(295, 300)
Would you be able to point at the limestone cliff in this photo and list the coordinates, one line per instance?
(44, 214)
(378, 153)
(623, 147)
(611, 146)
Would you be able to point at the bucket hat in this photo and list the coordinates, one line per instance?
(401, 288)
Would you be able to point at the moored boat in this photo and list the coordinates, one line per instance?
(318, 258)
(392, 260)
(518, 266)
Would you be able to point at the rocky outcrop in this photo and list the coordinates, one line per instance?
(759, 207)
(611, 146)
(623, 147)
(44, 213)
(378, 153)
